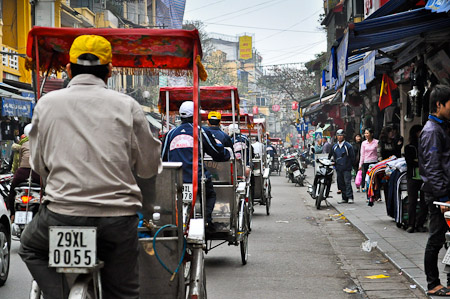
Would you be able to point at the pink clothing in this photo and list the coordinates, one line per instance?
(368, 152)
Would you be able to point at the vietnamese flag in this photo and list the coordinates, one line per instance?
(387, 85)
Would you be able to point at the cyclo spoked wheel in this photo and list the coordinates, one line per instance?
(321, 196)
(250, 213)
(244, 231)
(268, 195)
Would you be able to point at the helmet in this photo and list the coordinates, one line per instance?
(214, 115)
(340, 132)
(27, 129)
(233, 128)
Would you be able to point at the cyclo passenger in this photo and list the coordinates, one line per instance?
(86, 142)
(178, 146)
(214, 118)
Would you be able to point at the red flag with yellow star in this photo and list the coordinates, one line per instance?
(387, 85)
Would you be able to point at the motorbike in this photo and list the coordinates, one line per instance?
(295, 170)
(322, 181)
(26, 203)
(446, 259)
(305, 157)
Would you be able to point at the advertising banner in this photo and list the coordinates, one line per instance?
(245, 47)
(12, 107)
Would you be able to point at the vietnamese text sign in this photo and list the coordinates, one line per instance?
(245, 47)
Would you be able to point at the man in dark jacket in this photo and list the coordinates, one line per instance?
(220, 136)
(434, 168)
(178, 146)
(343, 156)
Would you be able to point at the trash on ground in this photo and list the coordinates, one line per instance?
(350, 291)
(401, 273)
(342, 217)
(337, 215)
(382, 261)
(385, 227)
(348, 223)
(377, 276)
(367, 246)
(412, 286)
(282, 221)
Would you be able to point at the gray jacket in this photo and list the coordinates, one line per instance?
(434, 157)
(86, 142)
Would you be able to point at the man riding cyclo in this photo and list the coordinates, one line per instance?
(87, 142)
(178, 147)
(214, 118)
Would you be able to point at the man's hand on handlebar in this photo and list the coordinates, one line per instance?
(445, 208)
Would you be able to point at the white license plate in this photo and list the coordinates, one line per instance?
(72, 246)
(22, 217)
(296, 173)
(188, 192)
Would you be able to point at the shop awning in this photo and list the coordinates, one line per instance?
(379, 32)
(303, 103)
(153, 121)
(388, 8)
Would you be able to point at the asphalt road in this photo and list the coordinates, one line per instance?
(290, 256)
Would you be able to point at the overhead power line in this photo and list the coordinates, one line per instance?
(252, 7)
(201, 7)
(263, 28)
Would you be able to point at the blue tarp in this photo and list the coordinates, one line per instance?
(437, 5)
(12, 107)
(388, 8)
(375, 33)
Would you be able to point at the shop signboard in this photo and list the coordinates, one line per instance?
(12, 107)
(245, 47)
(342, 59)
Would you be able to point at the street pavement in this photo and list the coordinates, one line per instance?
(301, 252)
(404, 250)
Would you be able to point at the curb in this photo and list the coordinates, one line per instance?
(385, 254)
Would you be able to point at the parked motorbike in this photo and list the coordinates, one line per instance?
(26, 203)
(295, 169)
(446, 259)
(322, 181)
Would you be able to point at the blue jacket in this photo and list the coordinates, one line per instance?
(434, 158)
(239, 144)
(178, 147)
(220, 136)
(343, 156)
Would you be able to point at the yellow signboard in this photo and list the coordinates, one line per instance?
(245, 47)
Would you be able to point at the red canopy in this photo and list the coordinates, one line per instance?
(133, 48)
(211, 97)
(245, 119)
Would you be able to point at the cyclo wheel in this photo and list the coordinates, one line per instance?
(268, 196)
(244, 231)
(321, 196)
(250, 212)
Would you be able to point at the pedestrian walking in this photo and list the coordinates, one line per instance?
(434, 167)
(368, 154)
(414, 183)
(326, 146)
(343, 155)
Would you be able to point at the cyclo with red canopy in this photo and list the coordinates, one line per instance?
(171, 259)
(231, 213)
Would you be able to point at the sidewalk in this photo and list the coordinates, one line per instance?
(406, 251)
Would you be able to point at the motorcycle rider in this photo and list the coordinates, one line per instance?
(23, 172)
(86, 142)
(214, 118)
(178, 146)
(343, 155)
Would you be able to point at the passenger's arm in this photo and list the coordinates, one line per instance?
(146, 149)
(215, 150)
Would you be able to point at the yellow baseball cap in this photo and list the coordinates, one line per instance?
(214, 115)
(92, 44)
